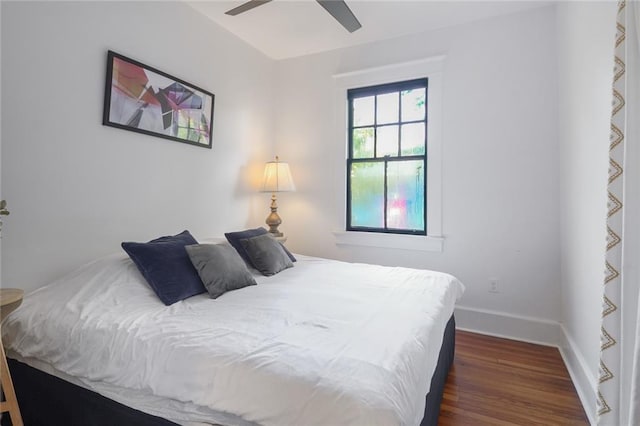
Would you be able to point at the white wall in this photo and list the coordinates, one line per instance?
(77, 188)
(500, 158)
(585, 66)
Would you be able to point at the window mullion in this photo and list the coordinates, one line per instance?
(375, 126)
(399, 123)
(386, 165)
(424, 193)
(350, 124)
(349, 166)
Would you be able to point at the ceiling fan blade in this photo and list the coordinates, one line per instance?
(246, 6)
(341, 12)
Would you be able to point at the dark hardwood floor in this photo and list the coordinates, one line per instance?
(504, 382)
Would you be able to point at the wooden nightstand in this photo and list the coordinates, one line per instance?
(10, 299)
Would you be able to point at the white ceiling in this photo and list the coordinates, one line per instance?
(288, 28)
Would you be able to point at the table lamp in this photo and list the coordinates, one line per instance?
(277, 178)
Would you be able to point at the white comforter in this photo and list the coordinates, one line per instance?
(323, 343)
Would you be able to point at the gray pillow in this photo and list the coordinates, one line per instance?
(266, 254)
(220, 268)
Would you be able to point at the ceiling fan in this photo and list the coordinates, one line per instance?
(337, 8)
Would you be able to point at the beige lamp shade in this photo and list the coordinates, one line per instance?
(277, 177)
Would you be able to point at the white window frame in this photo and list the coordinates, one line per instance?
(431, 68)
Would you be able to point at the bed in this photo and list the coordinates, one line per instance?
(321, 343)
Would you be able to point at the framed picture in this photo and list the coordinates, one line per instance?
(145, 100)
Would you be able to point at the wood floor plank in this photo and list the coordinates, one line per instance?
(504, 382)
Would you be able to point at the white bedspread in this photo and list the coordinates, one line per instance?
(323, 343)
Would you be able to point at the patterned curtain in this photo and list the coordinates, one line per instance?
(608, 400)
(634, 102)
(616, 405)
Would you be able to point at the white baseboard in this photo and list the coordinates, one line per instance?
(509, 326)
(539, 331)
(581, 376)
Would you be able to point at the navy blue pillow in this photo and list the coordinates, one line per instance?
(235, 237)
(166, 266)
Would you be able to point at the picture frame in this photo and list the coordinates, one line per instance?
(146, 100)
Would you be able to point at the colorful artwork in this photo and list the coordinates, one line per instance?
(145, 100)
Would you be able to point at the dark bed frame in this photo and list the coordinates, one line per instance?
(46, 400)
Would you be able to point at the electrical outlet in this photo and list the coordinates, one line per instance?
(493, 285)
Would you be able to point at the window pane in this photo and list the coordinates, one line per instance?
(367, 194)
(363, 143)
(413, 104)
(363, 111)
(412, 139)
(405, 194)
(388, 108)
(387, 142)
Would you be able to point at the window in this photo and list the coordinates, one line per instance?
(345, 232)
(387, 158)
